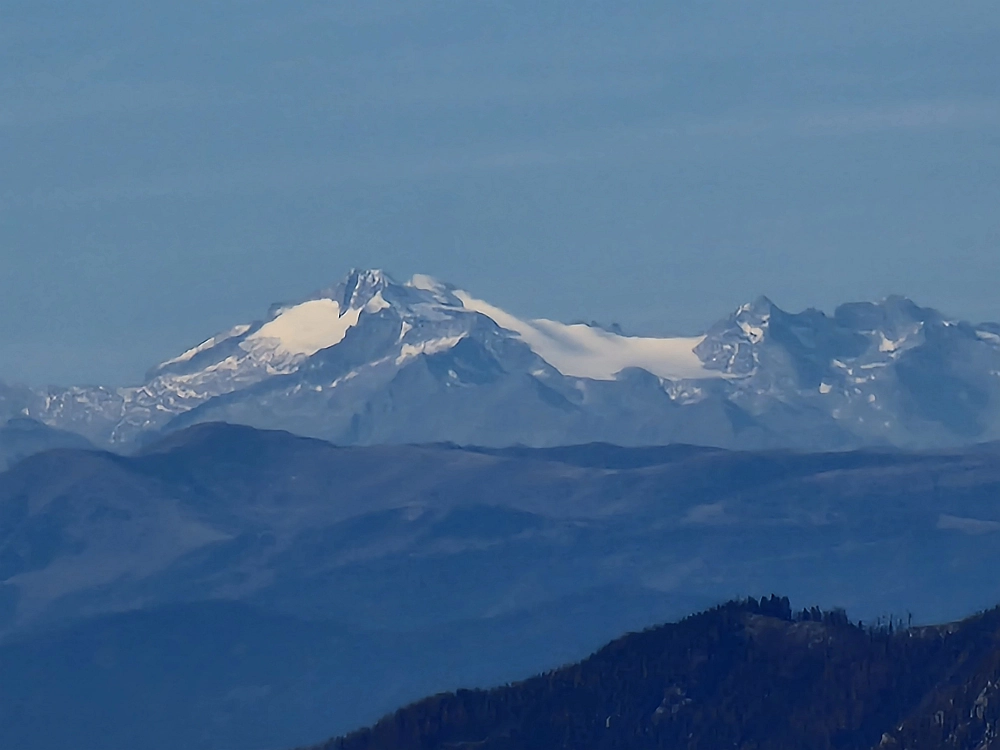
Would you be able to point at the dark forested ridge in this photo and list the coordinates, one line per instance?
(749, 674)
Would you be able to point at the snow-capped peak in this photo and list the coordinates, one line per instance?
(754, 318)
(299, 330)
(761, 307)
(428, 310)
(361, 286)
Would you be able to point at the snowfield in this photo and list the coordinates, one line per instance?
(583, 351)
(305, 329)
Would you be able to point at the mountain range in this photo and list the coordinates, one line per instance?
(227, 587)
(371, 360)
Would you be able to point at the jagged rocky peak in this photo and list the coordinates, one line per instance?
(374, 290)
(802, 344)
(360, 288)
(893, 315)
(760, 307)
(729, 344)
(754, 318)
(749, 321)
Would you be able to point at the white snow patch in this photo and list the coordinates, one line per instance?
(376, 303)
(987, 336)
(890, 346)
(425, 283)
(230, 363)
(349, 376)
(754, 333)
(682, 392)
(581, 351)
(305, 329)
(206, 345)
(431, 346)
(825, 388)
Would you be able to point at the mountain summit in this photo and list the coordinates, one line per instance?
(373, 360)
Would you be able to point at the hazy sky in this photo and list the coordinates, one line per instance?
(168, 169)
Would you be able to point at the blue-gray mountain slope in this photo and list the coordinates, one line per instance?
(435, 566)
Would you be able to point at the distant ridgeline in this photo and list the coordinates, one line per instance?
(749, 674)
(228, 587)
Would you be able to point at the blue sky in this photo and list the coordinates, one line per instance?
(170, 169)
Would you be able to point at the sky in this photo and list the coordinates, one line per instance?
(170, 169)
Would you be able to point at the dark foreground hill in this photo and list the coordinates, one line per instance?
(747, 675)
